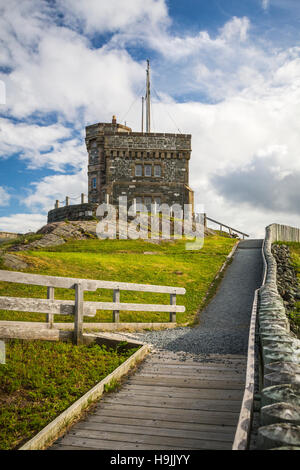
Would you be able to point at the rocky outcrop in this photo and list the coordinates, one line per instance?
(287, 282)
(53, 234)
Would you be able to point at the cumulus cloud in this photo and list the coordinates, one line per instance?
(41, 146)
(132, 15)
(22, 222)
(251, 92)
(265, 182)
(46, 191)
(4, 197)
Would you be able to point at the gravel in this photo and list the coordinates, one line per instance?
(224, 324)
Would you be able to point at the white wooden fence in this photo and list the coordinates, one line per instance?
(80, 308)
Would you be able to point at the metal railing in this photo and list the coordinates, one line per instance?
(221, 224)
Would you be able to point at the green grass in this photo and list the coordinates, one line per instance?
(123, 260)
(41, 379)
(294, 316)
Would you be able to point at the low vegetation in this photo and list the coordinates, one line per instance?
(41, 379)
(138, 261)
(294, 315)
(295, 255)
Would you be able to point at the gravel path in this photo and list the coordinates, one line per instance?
(224, 324)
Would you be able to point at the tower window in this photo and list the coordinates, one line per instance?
(94, 183)
(157, 170)
(148, 170)
(138, 170)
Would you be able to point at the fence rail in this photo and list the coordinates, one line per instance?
(230, 229)
(80, 308)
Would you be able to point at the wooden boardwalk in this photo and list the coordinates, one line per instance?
(168, 403)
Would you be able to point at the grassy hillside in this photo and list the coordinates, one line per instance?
(41, 379)
(167, 263)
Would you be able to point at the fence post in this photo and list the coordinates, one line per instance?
(173, 302)
(78, 321)
(116, 313)
(50, 316)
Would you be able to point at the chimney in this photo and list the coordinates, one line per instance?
(114, 120)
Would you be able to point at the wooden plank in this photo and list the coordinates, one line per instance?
(50, 296)
(91, 444)
(78, 318)
(198, 366)
(154, 431)
(56, 307)
(242, 436)
(135, 307)
(171, 414)
(200, 373)
(98, 441)
(184, 382)
(180, 392)
(167, 402)
(87, 284)
(157, 423)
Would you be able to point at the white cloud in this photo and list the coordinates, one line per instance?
(253, 90)
(54, 187)
(4, 197)
(22, 222)
(41, 146)
(107, 16)
(265, 4)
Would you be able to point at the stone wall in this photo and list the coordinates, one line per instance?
(85, 211)
(280, 355)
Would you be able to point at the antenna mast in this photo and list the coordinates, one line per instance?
(148, 98)
(142, 114)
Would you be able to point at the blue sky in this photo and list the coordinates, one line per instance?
(226, 71)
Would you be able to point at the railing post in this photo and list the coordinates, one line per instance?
(116, 313)
(78, 321)
(50, 316)
(173, 302)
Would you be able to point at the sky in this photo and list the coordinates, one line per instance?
(225, 71)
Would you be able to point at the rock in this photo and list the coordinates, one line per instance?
(14, 262)
(287, 393)
(277, 435)
(280, 413)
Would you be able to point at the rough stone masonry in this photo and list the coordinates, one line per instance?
(147, 168)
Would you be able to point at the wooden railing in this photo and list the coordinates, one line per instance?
(230, 229)
(80, 308)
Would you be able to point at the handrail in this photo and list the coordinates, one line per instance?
(89, 284)
(241, 439)
(79, 307)
(227, 226)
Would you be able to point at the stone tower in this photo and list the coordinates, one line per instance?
(148, 168)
